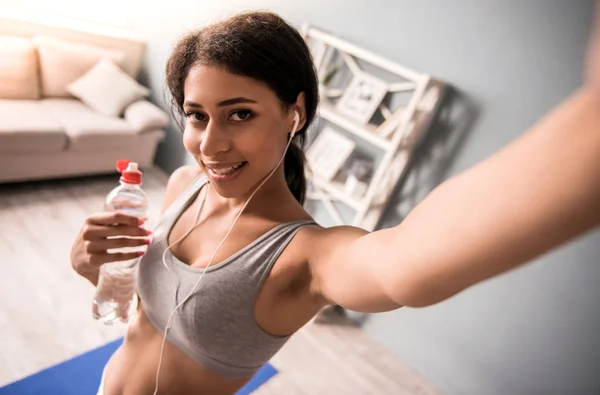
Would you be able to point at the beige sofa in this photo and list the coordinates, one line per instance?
(54, 121)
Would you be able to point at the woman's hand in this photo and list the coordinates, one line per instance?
(592, 63)
(102, 232)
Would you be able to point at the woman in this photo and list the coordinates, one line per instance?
(247, 87)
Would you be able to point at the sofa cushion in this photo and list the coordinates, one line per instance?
(62, 62)
(87, 129)
(144, 116)
(107, 89)
(18, 69)
(26, 126)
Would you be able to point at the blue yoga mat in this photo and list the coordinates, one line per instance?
(81, 376)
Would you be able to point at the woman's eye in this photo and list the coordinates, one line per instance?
(196, 116)
(241, 115)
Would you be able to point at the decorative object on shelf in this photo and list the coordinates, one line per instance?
(362, 97)
(359, 174)
(328, 153)
(384, 106)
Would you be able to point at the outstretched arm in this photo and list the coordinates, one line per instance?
(538, 192)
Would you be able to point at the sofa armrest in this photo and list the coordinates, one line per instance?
(145, 116)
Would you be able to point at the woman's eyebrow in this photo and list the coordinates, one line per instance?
(224, 103)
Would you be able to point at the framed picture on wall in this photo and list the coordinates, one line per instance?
(362, 97)
(328, 152)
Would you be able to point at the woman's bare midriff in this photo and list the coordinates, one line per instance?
(132, 368)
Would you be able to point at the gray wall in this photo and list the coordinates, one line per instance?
(534, 330)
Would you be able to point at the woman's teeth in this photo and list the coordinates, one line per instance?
(228, 170)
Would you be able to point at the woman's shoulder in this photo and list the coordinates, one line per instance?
(180, 179)
(330, 233)
(320, 239)
(324, 243)
(312, 247)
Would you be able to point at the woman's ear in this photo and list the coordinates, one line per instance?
(300, 106)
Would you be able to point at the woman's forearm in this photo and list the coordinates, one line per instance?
(538, 192)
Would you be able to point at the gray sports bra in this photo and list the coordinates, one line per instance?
(216, 326)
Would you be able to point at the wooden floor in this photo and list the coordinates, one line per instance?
(45, 315)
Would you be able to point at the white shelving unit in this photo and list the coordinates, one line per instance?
(395, 134)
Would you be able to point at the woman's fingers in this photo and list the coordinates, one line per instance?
(94, 231)
(96, 246)
(113, 218)
(105, 257)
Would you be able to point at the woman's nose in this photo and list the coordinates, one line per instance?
(214, 140)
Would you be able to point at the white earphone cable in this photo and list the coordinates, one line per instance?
(172, 315)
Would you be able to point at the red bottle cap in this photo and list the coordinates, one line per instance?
(122, 165)
(129, 172)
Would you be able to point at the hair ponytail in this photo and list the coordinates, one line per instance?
(293, 165)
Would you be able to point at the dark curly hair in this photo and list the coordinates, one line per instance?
(262, 46)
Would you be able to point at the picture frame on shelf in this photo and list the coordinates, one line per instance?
(362, 97)
(328, 152)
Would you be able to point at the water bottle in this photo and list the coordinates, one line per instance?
(115, 298)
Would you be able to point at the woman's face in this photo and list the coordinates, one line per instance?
(235, 128)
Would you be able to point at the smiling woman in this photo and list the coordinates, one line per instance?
(220, 171)
(230, 128)
(237, 265)
(266, 75)
(196, 114)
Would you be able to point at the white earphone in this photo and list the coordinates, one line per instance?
(295, 128)
(172, 315)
